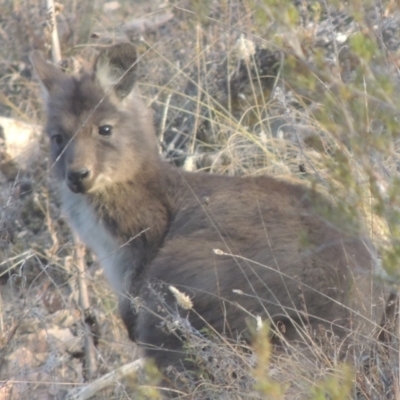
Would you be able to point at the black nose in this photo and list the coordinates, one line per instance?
(76, 177)
(75, 180)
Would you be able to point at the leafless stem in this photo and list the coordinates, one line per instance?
(90, 349)
(91, 389)
(55, 42)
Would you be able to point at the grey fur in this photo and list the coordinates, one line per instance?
(152, 225)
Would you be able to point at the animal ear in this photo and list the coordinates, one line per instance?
(50, 76)
(115, 69)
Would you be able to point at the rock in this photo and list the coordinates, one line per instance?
(6, 391)
(52, 300)
(19, 146)
(37, 341)
(65, 317)
(65, 341)
(32, 388)
(21, 360)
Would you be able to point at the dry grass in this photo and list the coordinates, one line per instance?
(304, 90)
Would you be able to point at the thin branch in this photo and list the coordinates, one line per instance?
(55, 42)
(90, 349)
(112, 377)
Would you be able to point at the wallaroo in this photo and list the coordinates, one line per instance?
(239, 248)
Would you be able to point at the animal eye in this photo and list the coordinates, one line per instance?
(57, 139)
(105, 130)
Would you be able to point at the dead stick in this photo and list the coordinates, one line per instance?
(90, 349)
(112, 377)
(55, 42)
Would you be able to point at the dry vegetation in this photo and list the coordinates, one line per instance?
(305, 90)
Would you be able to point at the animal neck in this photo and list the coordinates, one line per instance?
(140, 207)
(126, 223)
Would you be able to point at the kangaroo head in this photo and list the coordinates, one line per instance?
(100, 131)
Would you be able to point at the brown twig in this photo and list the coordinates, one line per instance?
(55, 42)
(91, 389)
(90, 349)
